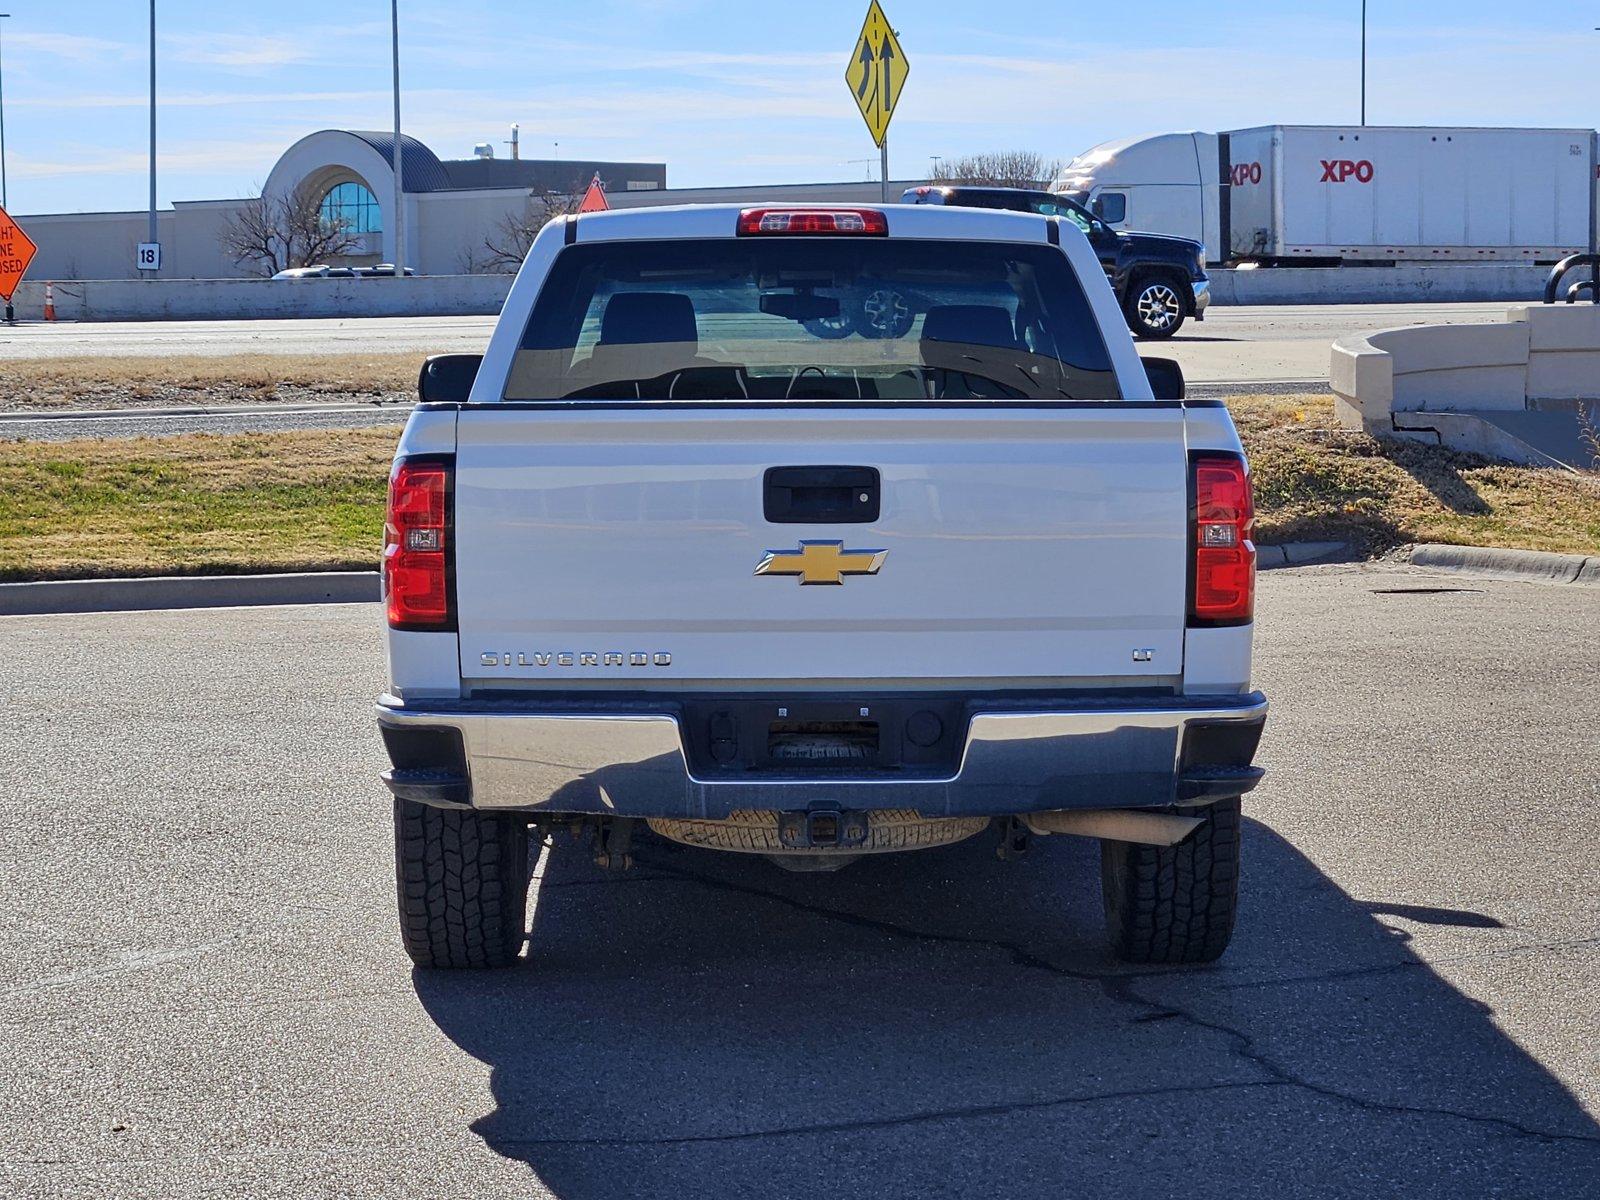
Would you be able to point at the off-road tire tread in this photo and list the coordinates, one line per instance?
(1174, 905)
(462, 882)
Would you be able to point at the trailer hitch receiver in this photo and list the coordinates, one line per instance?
(822, 829)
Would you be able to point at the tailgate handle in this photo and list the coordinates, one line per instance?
(821, 495)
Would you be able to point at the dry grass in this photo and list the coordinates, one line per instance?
(1317, 482)
(92, 381)
(205, 503)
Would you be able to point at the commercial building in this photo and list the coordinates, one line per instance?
(453, 208)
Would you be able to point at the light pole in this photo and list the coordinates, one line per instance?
(5, 199)
(399, 166)
(153, 237)
(1363, 64)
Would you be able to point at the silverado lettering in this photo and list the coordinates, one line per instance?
(571, 658)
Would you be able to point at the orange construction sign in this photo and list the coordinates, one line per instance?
(594, 200)
(16, 252)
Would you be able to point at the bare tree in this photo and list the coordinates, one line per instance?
(272, 233)
(508, 245)
(1003, 168)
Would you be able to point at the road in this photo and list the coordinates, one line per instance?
(1231, 345)
(202, 993)
(1235, 349)
(321, 335)
(1244, 346)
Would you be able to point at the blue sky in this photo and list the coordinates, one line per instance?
(738, 91)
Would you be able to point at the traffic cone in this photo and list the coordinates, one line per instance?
(49, 302)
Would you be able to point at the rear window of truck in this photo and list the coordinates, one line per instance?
(827, 318)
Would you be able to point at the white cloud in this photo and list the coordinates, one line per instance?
(258, 52)
(239, 50)
(196, 99)
(189, 156)
(75, 47)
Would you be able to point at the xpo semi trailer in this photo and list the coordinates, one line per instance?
(1309, 194)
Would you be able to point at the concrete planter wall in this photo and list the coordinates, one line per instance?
(1507, 389)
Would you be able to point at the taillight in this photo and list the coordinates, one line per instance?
(416, 545)
(780, 222)
(1224, 562)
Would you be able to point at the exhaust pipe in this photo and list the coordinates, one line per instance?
(1115, 824)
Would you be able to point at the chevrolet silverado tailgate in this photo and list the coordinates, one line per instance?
(629, 545)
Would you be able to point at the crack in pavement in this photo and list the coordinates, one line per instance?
(1020, 954)
(964, 1113)
(1410, 964)
(1117, 987)
(1246, 1048)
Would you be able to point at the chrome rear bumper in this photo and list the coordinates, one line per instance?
(632, 764)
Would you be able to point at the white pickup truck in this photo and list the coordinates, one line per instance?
(682, 553)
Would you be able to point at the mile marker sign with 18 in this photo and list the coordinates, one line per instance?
(149, 256)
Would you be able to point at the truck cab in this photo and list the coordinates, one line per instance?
(1159, 280)
(675, 559)
(1165, 182)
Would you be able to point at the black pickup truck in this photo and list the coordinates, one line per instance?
(1159, 280)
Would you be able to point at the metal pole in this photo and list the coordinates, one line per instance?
(5, 199)
(399, 164)
(152, 237)
(1363, 64)
(885, 168)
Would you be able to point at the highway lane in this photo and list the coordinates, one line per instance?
(202, 993)
(1260, 342)
(1259, 349)
(321, 335)
(1247, 346)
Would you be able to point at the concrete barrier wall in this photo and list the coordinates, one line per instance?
(1539, 353)
(225, 299)
(1437, 284)
(482, 295)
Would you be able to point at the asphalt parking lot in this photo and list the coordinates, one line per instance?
(203, 994)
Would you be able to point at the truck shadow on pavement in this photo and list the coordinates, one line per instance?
(946, 1024)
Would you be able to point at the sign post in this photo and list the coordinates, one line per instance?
(876, 75)
(16, 252)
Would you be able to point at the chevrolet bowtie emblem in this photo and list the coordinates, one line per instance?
(822, 562)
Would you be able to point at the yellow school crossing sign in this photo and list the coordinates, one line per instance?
(877, 72)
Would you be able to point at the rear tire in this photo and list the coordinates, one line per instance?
(1154, 306)
(1172, 905)
(462, 879)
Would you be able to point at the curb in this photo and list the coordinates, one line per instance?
(347, 587)
(191, 591)
(1294, 554)
(1534, 566)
